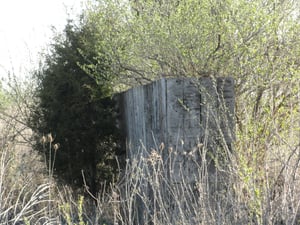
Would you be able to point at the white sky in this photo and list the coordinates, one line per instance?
(25, 29)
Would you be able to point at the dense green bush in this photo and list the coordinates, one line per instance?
(76, 108)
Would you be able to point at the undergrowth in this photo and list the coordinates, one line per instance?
(153, 188)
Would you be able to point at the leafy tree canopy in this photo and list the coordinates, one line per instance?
(196, 37)
(255, 41)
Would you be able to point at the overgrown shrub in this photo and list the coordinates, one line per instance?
(77, 110)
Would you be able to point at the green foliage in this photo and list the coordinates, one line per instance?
(76, 108)
(253, 41)
(256, 42)
(196, 37)
(68, 214)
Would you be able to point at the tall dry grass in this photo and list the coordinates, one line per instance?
(232, 187)
(147, 195)
(229, 195)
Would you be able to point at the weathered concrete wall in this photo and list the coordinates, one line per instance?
(183, 114)
(178, 113)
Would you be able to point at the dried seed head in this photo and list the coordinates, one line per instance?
(162, 146)
(200, 145)
(182, 142)
(43, 140)
(154, 157)
(50, 138)
(56, 146)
